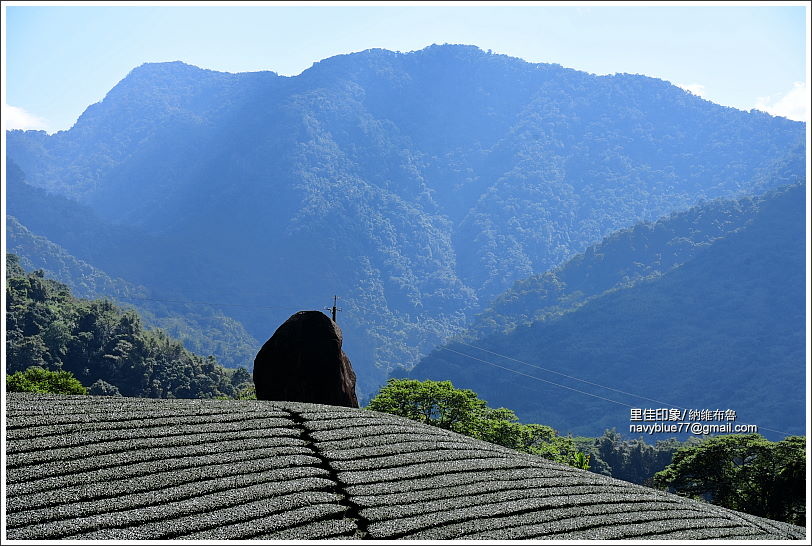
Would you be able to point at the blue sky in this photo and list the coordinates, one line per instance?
(59, 59)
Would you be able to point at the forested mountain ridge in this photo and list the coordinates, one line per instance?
(37, 252)
(416, 186)
(647, 250)
(723, 330)
(103, 346)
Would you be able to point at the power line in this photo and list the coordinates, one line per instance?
(334, 309)
(576, 378)
(569, 376)
(538, 378)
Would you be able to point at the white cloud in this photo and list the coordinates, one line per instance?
(694, 88)
(793, 105)
(18, 118)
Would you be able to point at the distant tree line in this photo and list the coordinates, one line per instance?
(629, 459)
(104, 347)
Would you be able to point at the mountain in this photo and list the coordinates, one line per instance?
(723, 329)
(415, 186)
(202, 329)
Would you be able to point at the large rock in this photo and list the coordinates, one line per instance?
(303, 362)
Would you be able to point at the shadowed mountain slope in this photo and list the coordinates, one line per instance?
(628, 256)
(723, 327)
(127, 468)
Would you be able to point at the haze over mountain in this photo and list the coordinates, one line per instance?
(702, 310)
(202, 328)
(416, 186)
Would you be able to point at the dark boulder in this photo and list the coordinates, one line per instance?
(303, 362)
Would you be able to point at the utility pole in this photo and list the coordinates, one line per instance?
(334, 308)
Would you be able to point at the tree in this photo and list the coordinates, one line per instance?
(743, 472)
(439, 404)
(631, 460)
(102, 388)
(435, 403)
(36, 379)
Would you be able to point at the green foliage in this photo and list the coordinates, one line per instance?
(631, 460)
(36, 379)
(102, 388)
(246, 393)
(244, 384)
(580, 460)
(102, 345)
(439, 404)
(435, 403)
(743, 472)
